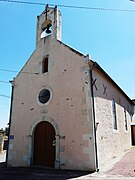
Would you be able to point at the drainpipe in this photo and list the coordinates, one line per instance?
(10, 115)
(93, 112)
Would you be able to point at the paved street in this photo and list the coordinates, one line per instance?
(126, 166)
(37, 174)
(124, 169)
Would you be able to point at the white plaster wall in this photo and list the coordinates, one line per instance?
(111, 143)
(68, 108)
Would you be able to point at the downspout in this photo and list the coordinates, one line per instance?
(93, 112)
(10, 115)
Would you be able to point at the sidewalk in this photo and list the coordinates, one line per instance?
(126, 166)
(124, 169)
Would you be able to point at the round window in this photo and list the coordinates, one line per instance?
(44, 96)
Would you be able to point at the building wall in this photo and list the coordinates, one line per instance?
(111, 143)
(67, 111)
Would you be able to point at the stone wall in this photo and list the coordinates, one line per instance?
(111, 143)
(67, 110)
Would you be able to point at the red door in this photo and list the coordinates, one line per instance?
(44, 149)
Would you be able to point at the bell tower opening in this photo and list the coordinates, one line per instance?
(46, 28)
(49, 24)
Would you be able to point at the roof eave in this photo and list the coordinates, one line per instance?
(116, 85)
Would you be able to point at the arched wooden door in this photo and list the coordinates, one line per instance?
(44, 145)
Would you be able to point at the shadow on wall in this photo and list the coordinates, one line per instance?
(104, 88)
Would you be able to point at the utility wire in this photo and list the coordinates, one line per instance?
(5, 96)
(24, 2)
(7, 70)
(68, 6)
(6, 82)
(13, 71)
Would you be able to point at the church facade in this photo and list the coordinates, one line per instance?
(66, 111)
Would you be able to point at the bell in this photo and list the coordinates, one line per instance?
(48, 31)
(46, 23)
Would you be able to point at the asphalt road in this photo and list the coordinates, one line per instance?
(124, 169)
(32, 173)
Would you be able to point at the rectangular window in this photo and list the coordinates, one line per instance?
(131, 116)
(114, 115)
(125, 116)
(45, 65)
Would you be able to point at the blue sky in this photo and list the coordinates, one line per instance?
(108, 36)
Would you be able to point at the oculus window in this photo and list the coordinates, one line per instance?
(44, 96)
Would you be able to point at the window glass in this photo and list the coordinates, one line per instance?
(114, 115)
(45, 65)
(44, 96)
(125, 114)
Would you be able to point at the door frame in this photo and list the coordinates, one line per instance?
(57, 137)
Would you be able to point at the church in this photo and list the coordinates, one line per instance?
(66, 111)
